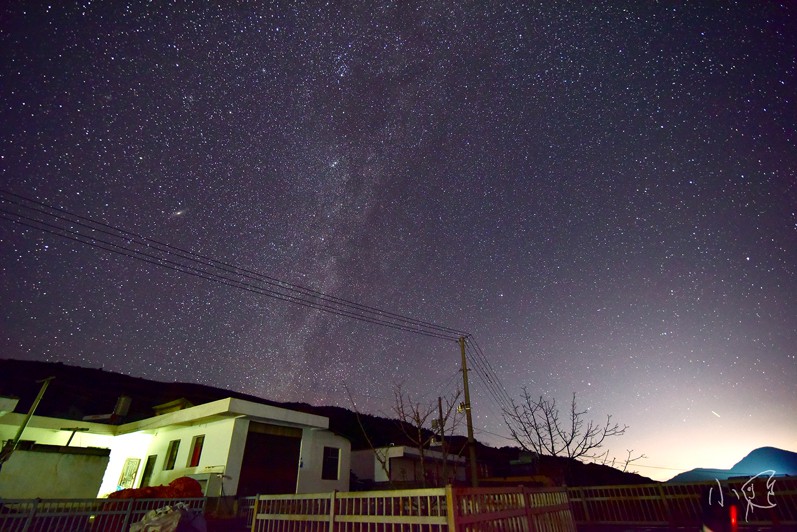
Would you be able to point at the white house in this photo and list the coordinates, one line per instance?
(231, 446)
(401, 463)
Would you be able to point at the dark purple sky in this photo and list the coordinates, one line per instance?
(604, 195)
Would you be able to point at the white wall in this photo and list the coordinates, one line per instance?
(123, 447)
(51, 475)
(141, 445)
(404, 465)
(235, 455)
(311, 461)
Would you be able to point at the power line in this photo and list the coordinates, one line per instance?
(218, 278)
(485, 431)
(492, 371)
(209, 276)
(186, 254)
(488, 376)
(482, 373)
(204, 267)
(490, 388)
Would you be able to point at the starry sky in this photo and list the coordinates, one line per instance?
(602, 193)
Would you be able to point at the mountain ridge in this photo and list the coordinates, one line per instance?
(759, 460)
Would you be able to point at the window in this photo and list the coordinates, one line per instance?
(196, 450)
(171, 455)
(329, 469)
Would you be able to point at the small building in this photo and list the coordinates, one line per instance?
(231, 446)
(402, 464)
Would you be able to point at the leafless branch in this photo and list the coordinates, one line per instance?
(382, 459)
(536, 425)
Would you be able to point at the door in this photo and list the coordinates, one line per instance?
(149, 467)
(271, 460)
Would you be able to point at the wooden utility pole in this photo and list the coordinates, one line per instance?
(11, 445)
(474, 471)
(442, 426)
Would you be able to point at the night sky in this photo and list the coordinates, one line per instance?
(602, 193)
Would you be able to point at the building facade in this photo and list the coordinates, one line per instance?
(231, 446)
(402, 464)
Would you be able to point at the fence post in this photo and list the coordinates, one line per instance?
(332, 497)
(526, 497)
(450, 515)
(255, 509)
(128, 513)
(32, 513)
(665, 504)
(583, 502)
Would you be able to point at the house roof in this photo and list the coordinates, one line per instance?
(7, 404)
(222, 409)
(226, 408)
(77, 392)
(406, 451)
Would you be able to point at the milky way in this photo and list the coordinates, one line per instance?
(604, 196)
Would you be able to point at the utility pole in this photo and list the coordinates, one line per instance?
(442, 425)
(474, 472)
(11, 446)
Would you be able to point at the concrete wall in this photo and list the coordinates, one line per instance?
(311, 462)
(363, 464)
(404, 465)
(235, 455)
(51, 475)
(405, 469)
(123, 447)
(140, 445)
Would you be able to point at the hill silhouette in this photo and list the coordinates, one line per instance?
(78, 391)
(762, 459)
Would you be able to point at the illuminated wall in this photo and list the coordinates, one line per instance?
(223, 428)
(57, 474)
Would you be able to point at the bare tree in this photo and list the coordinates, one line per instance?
(416, 419)
(536, 424)
(449, 418)
(603, 459)
(628, 460)
(382, 458)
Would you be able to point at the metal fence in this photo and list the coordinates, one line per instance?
(754, 503)
(422, 510)
(511, 509)
(246, 509)
(81, 515)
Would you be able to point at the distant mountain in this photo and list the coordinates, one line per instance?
(77, 392)
(781, 461)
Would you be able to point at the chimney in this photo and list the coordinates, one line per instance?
(122, 406)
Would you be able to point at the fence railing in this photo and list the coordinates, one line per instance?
(688, 504)
(511, 509)
(422, 510)
(81, 515)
